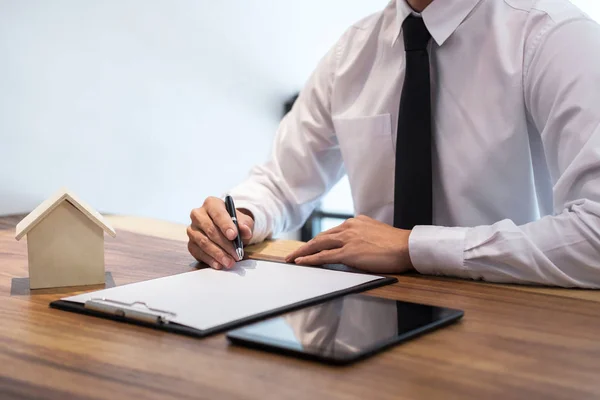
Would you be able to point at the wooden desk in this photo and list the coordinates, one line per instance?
(510, 344)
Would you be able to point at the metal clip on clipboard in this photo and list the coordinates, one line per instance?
(130, 311)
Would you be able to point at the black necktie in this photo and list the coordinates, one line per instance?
(412, 191)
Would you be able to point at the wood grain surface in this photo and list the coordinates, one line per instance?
(511, 344)
(277, 250)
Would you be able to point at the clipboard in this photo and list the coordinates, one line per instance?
(138, 304)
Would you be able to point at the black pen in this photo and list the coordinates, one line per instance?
(237, 242)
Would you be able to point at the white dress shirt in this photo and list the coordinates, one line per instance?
(516, 139)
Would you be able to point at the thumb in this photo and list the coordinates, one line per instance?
(246, 223)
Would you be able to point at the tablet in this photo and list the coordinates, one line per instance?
(344, 330)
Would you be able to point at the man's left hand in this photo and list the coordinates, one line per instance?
(360, 242)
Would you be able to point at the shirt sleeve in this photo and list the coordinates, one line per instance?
(305, 161)
(562, 95)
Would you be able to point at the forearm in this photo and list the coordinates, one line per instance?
(305, 162)
(274, 211)
(561, 250)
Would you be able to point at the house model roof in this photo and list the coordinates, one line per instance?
(41, 211)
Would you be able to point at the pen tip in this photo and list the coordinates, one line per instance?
(240, 254)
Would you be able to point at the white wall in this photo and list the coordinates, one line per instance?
(133, 103)
(136, 105)
(591, 7)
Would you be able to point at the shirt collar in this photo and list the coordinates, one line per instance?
(441, 17)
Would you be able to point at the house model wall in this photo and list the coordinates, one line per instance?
(65, 243)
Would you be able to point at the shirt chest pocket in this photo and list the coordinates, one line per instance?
(369, 159)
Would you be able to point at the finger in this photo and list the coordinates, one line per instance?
(335, 229)
(332, 256)
(210, 248)
(201, 256)
(246, 233)
(206, 225)
(319, 243)
(322, 236)
(218, 214)
(344, 226)
(246, 224)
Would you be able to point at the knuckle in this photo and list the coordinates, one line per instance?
(220, 254)
(345, 236)
(195, 214)
(210, 201)
(203, 241)
(213, 252)
(210, 231)
(315, 242)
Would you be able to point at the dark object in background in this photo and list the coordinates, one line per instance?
(287, 106)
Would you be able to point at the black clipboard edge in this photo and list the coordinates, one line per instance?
(80, 309)
(185, 330)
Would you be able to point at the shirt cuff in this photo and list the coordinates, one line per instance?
(261, 230)
(437, 250)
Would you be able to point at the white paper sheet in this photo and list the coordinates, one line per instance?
(209, 298)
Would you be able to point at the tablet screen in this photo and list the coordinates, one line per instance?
(345, 327)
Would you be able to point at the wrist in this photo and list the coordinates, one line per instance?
(404, 261)
(409, 263)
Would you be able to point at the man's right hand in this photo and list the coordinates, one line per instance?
(212, 231)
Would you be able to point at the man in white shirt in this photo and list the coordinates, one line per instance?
(512, 172)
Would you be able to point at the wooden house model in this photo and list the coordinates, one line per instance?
(65, 242)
